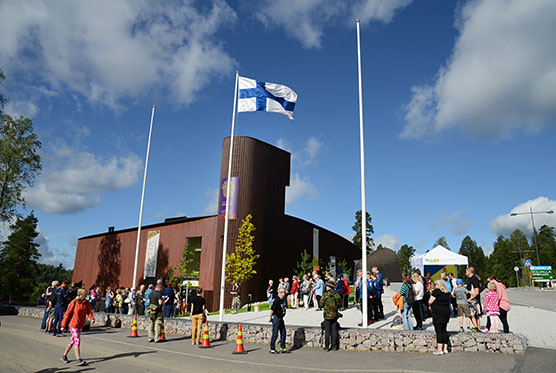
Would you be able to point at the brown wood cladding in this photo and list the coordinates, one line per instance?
(263, 171)
(172, 241)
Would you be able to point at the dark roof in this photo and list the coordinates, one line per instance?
(387, 262)
(168, 221)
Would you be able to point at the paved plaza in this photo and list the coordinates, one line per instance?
(24, 348)
(525, 317)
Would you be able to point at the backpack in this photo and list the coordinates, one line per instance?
(410, 297)
(52, 298)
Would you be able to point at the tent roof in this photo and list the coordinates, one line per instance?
(442, 256)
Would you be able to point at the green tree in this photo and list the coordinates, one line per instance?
(2, 98)
(345, 267)
(475, 255)
(357, 229)
(240, 265)
(47, 273)
(20, 163)
(404, 255)
(18, 259)
(546, 242)
(442, 242)
(504, 258)
(305, 265)
(184, 268)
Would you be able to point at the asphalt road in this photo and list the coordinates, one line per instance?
(543, 299)
(23, 348)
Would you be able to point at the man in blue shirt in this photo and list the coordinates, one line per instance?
(319, 289)
(61, 305)
(380, 282)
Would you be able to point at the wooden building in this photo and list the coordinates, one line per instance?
(262, 173)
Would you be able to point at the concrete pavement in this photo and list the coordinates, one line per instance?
(24, 348)
(538, 325)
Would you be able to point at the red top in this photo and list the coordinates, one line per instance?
(295, 287)
(77, 311)
(347, 289)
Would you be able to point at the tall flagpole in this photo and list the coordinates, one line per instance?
(363, 211)
(142, 199)
(228, 183)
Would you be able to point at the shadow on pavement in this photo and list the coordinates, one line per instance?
(117, 356)
(65, 369)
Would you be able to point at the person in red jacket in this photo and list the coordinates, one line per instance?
(74, 318)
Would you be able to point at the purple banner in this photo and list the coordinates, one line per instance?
(232, 212)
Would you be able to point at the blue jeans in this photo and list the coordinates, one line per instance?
(406, 317)
(168, 310)
(278, 325)
(43, 324)
(270, 300)
(60, 310)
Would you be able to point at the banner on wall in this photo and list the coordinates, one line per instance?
(232, 212)
(153, 239)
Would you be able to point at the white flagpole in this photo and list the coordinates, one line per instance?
(229, 182)
(363, 211)
(134, 285)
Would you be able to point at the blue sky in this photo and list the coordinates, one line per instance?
(458, 107)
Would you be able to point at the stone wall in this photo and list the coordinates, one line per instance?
(300, 336)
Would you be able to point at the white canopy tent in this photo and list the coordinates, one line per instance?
(439, 256)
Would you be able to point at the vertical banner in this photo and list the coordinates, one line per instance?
(153, 238)
(232, 213)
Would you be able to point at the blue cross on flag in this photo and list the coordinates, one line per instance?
(255, 95)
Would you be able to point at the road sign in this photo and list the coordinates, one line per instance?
(540, 273)
(516, 268)
(527, 262)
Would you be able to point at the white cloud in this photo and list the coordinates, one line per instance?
(454, 220)
(306, 155)
(22, 108)
(306, 20)
(300, 188)
(390, 241)
(76, 180)
(110, 50)
(283, 144)
(505, 224)
(311, 149)
(500, 78)
(211, 196)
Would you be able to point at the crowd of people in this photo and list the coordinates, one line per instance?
(66, 307)
(307, 290)
(449, 297)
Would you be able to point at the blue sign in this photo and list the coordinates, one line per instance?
(541, 268)
(527, 262)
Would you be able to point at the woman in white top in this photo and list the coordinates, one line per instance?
(419, 290)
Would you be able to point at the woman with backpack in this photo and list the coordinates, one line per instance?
(74, 319)
(408, 300)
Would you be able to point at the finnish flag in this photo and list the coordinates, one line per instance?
(255, 95)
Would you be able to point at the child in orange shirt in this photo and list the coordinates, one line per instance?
(74, 317)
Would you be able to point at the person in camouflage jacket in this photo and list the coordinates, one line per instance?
(330, 304)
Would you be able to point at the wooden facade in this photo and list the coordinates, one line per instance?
(263, 173)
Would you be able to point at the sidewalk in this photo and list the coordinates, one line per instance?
(539, 326)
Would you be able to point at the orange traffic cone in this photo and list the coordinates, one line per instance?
(134, 328)
(206, 341)
(162, 335)
(239, 343)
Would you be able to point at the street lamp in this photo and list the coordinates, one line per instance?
(531, 212)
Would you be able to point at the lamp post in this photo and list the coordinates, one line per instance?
(531, 212)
